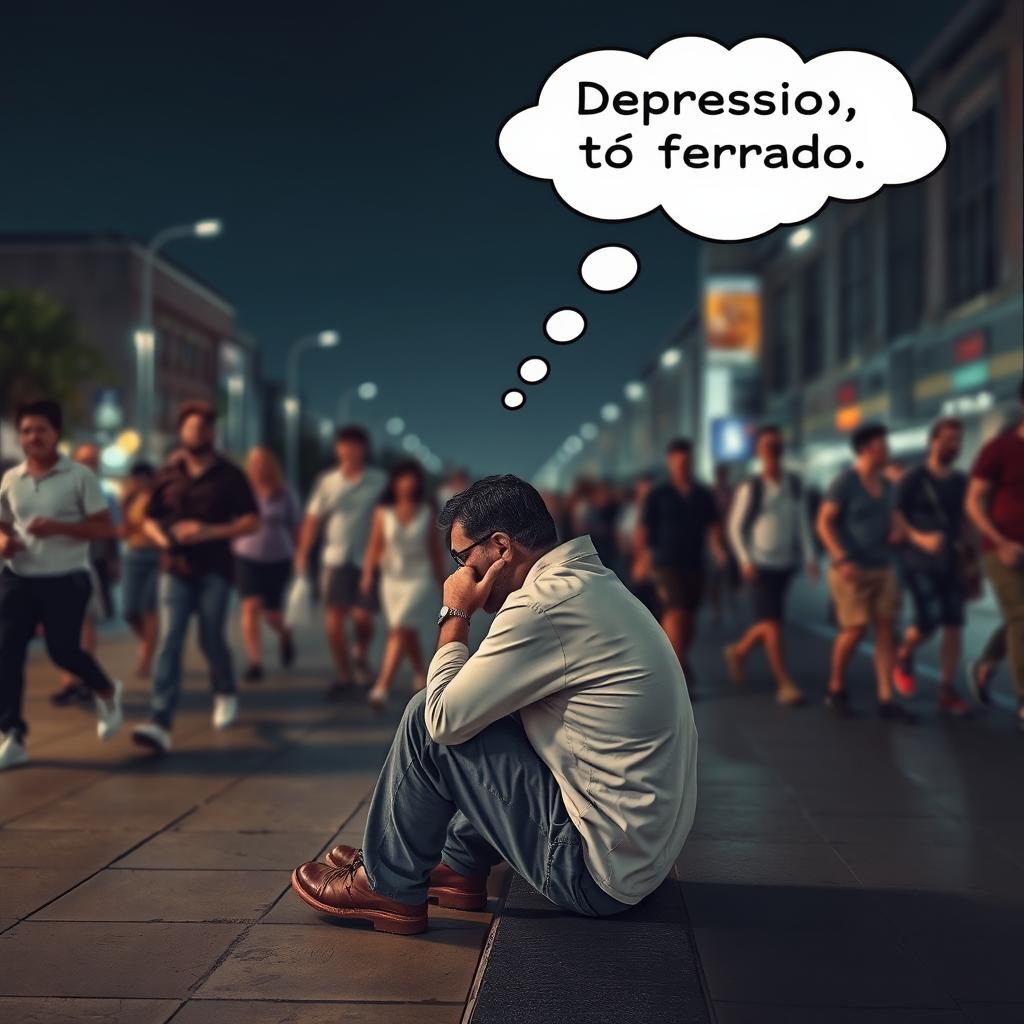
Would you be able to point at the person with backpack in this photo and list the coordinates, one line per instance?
(771, 537)
(935, 561)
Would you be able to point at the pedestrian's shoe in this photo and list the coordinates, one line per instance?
(789, 695)
(953, 705)
(287, 649)
(977, 679)
(903, 678)
(447, 888)
(734, 664)
(12, 752)
(890, 711)
(153, 736)
(838, 702)
(109, 713)
(339, 688)
(225, 710)
(346, 892)
(75, 692)
(378, 700)
(254, 674)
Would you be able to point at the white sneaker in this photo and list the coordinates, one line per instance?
(109, 713)
(154, 736)
(225, 710)
(12, 752)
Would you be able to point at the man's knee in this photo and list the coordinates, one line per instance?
(414, 718)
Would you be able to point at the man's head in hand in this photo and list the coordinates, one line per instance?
(496, 529)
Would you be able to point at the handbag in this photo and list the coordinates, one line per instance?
(968, 561)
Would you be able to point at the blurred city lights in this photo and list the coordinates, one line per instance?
(395, 426)
(291, 406)
(367, 390)
(144, 341)
(799, 238)
(589, 432)
(610, 412)
(573, 445)
(635, 391)
(671, 357)
(129, 442)
(326, 428)
(208, 228)
(410, 442)
(327, 339)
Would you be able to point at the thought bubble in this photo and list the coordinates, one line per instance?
(533, 370)
(609, 268)
(565, 325)
(513, 399)
(731, 143)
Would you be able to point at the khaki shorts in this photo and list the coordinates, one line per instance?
(875, 595)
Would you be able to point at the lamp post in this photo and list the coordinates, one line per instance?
(292, 405)
(145, 334)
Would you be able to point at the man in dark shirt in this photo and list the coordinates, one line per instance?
(931, 500)
(199, 504)
(678, 517)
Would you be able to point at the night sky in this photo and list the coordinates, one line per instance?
(350, 150)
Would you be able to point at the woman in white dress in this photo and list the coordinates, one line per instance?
(405, 547)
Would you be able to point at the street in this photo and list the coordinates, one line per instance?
(836, 870)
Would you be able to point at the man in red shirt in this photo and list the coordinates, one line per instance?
(995, 503)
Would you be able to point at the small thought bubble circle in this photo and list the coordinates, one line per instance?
(609, 268)
(565, 325)
(513, 399)
(533, 370)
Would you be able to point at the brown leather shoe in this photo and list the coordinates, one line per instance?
(447, 888)
(346, 892)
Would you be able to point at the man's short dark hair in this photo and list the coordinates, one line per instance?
(946, 422)
(142, 469)
(196, 407)
(48, 409)
(352, 432)
(503, 504)
(767, 428)
(679, 444)
(863, 436)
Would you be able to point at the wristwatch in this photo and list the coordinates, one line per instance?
(445, 612)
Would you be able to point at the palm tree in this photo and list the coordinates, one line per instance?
(43, 352)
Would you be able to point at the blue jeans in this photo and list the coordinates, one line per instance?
(207, 597)
(472, 805)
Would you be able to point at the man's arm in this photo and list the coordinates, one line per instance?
(737, 514)
(98, 526)
(307, 536)
(519, 662)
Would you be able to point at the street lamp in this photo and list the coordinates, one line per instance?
(367, 392)
(292, 404)
(635, 391)
(145, 334)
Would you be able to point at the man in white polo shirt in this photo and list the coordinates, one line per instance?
(565, 745)
(50, 508)
(342, 506)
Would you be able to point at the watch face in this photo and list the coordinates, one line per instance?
(442, 614)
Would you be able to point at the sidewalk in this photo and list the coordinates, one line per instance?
(135, 890)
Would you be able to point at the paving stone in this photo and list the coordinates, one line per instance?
(50, 848)
(86, 1011)
(278, 851)
(155, 961)
(216, 1011)
(317, 962)
(23, 890)
(27, 789)
(126, 895)
(762, 863)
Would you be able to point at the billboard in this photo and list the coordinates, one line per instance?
(732, 316)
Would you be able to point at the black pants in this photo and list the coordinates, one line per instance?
(58, 602)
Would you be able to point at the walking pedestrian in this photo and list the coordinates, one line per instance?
(679, 518)
(342, 505)
(722, 579)
(405, 548)
(263, 560)
(200, 503)
(141, 565)
(633, 555)
(50, 509)
(859, 527)
(771, 537)
(104, 572)
(930, 498)
(995, 503)
(565, 745)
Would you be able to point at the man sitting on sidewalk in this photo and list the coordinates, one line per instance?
(565, 745)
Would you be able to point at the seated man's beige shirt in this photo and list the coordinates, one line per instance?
(603, 701)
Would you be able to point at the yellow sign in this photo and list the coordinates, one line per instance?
(732, 314)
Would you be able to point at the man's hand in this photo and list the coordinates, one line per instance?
(749, 572)
(464, 591)
(190, 531)
(1010, 553)
(931, 543)
(41, 526)
(9, 545)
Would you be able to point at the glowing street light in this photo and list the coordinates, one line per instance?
(800, 237)
(635, 391)
(671, 357)
(610, 412)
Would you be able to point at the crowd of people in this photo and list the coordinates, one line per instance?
(184, 538)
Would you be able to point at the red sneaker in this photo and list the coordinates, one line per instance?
(954, 706)
(903, 679)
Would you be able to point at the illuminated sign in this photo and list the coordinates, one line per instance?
(969, 347)
(732, 314)
(849, 418)
(967, 405)
(847, 393)
(972, 375)
(732, 439)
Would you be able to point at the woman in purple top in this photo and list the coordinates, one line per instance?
(263, 560)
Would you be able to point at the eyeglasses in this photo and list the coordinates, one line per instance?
(460, 556)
